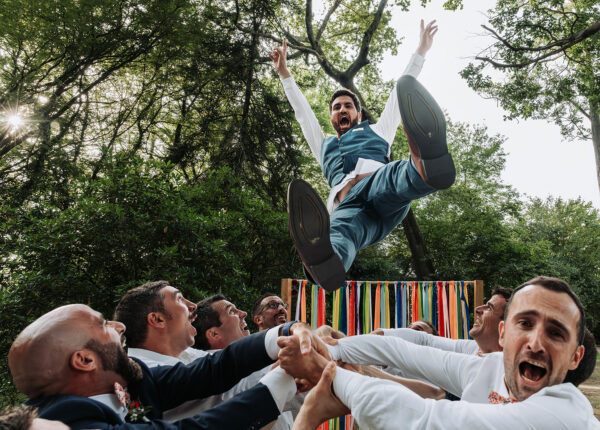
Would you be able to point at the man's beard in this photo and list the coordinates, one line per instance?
(352, 123)
(113, 357)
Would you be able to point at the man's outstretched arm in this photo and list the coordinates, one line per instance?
(390, 116)
(304, 115)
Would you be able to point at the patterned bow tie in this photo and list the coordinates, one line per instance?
(122, 395)
(496, 399)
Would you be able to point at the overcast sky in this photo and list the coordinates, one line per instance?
(562, 168)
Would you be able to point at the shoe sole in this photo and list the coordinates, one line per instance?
(425, 125)
(308, 222)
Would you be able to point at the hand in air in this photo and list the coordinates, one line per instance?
(278, 55)
(426, 38)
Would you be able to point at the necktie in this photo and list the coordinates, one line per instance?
(122, 395)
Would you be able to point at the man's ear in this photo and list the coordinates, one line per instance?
(359, 116)
(212, 335)
(501, 330)
(577, 357)
(258, 319)
(84, 360)
(156, 319)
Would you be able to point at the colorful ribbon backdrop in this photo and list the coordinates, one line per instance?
(360, 307)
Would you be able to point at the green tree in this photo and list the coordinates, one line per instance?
(138, 221)
(549, 54)
(469, 228)
(567, 233)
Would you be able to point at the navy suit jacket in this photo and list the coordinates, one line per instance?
(165, 387)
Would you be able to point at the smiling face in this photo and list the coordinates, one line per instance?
(343, 115)
(485, 327)
(273, 312)
(540, 342)
(233, 323)
(179, 316)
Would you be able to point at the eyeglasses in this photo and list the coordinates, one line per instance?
(275, 305)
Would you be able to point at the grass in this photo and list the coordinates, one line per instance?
(591, 388)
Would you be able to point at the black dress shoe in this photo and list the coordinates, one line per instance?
(425, 128)
(309, 227)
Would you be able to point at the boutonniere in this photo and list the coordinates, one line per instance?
(138, 413)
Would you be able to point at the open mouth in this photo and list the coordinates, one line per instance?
(281, 317)
(344, 120)
(532, 371)
(243, 325)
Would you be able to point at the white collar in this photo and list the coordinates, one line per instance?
(147, 355)
(112, 401)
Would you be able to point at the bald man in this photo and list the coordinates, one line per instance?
(72, 365)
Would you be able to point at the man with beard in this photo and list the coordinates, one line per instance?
(542, 336)
(369, 194)
(71, 364)
(268, 311)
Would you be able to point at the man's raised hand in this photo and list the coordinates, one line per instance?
(279, 62)
(426, 37)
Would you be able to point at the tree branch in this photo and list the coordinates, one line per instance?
(559, 46)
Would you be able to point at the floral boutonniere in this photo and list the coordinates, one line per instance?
(138, 413)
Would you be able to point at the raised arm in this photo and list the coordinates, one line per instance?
(304, 115)
(278, 56)
(390, 116)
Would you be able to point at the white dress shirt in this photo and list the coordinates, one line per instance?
(384, 405)
(386, 126)
(377, 404)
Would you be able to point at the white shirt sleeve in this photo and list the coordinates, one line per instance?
(390, 117)
(271, 342)
(448, 370)
(281, 385)
(421, 338)
(305, 116)
(383, 405)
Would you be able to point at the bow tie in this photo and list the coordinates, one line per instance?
(122, 395)
(496, 399)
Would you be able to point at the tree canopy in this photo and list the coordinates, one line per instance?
(546, 64)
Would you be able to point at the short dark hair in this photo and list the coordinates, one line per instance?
(134, 307)
(433, 329)
(256, 308)
(588, 362)
(206, 317)
(504, 292)
(557, 285)
(17, 417)
(345, 92)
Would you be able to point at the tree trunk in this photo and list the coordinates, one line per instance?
(420, 258)
(595, 120)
